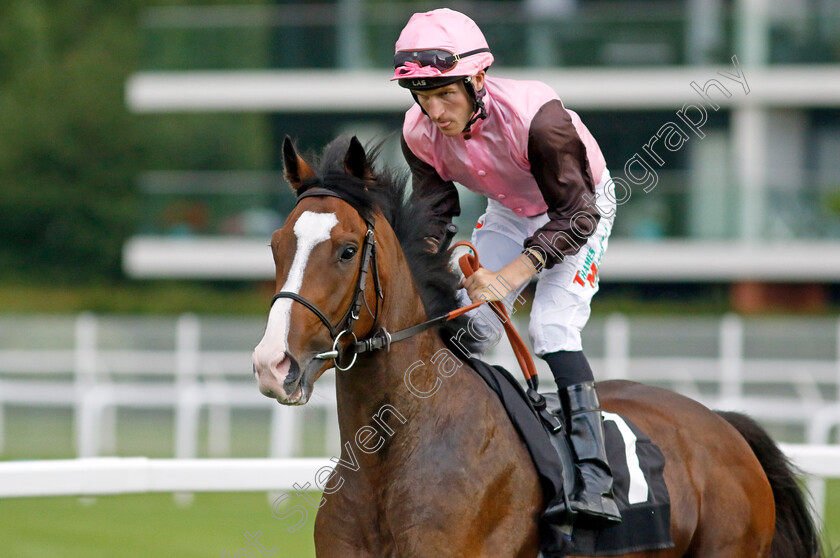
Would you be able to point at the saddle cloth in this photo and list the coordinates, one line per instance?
(636, 462)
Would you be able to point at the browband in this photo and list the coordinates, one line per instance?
(318, 191)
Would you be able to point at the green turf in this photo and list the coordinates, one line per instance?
(48, 434)
(155, 524)
(147, 525)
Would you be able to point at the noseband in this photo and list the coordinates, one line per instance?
(345, 324)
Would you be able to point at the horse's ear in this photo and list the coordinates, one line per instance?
(356, 161)
(295, 168)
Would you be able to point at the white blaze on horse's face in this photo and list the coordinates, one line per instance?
(271, 365)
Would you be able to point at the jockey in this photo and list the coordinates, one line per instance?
(542, 171)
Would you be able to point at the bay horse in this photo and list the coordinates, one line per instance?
(431, 466)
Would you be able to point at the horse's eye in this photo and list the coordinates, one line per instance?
(348, 253)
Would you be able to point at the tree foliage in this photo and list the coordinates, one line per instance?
(68, 148)
(70, 151)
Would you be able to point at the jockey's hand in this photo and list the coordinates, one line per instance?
(485, 284)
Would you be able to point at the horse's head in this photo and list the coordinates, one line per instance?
(326, 279)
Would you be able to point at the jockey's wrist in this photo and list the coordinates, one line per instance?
(518, 272)
(535, 259)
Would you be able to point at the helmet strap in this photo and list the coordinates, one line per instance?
(413, 94)
(479, 110)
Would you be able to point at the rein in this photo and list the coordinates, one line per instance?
(469, 264)
(382, 338)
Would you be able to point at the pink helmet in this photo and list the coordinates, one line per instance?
(438, 47)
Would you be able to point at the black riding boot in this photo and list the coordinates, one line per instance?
(576, 386)
(594, 498)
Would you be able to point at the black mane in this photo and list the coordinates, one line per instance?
(408, 216)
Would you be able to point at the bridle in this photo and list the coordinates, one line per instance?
(382, 338)
(345, 324)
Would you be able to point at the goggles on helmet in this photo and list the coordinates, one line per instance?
(442, 60)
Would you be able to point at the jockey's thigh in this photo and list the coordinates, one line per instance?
(563, 295)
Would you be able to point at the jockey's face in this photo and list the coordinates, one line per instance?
(449, 107)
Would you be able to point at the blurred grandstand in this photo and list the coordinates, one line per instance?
(749, 198)
(745, 207)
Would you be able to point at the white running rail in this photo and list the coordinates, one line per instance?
(95, 476)
(133, 475)
(783, 370)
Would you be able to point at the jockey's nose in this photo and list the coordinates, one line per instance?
(434, 108)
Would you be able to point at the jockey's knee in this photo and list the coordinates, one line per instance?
(552, 337)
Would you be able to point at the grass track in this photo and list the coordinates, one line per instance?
(146, 525)
(153, 524)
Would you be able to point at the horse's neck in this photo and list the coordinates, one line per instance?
(390, 400)
(388, 380)
(392, 384)
(402, 396)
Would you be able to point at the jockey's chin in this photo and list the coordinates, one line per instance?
(449, 128)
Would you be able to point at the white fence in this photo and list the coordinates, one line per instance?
(782, 370)
(96, 476)
(777, 370)
(96, 365)
(93, 476)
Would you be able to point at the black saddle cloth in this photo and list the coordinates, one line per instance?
(637, 465)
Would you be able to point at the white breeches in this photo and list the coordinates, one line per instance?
(563, 293)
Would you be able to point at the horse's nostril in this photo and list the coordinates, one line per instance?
(293, 374)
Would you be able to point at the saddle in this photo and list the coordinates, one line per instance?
(637, 465)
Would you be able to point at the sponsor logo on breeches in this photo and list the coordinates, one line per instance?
(589, 272)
